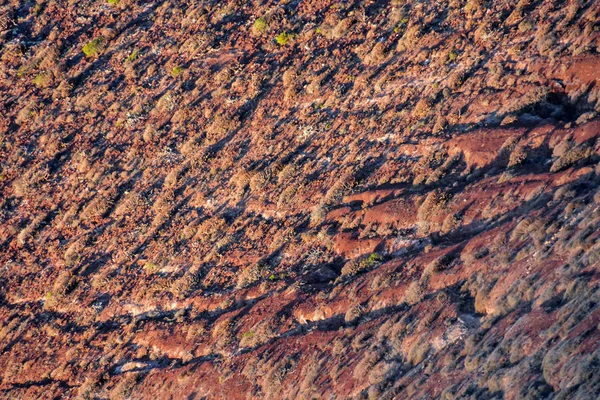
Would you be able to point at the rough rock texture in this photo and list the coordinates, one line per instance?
(300, 199)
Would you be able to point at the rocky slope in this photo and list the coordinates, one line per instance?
(300, 199)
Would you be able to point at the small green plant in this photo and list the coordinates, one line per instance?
(176, 71)
(362, 264)
(373, 259)
(23, 70)
(274, 277)
(151, 268)
(261, 25)
(401, 27)
(41, 80)
(248, 335)
(113, 2)
(133, 56)
(284, 38)
(452, 56)
(94, 47)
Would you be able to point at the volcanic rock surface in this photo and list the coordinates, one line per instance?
(302, 199)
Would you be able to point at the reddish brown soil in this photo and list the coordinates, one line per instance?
(300, 199)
